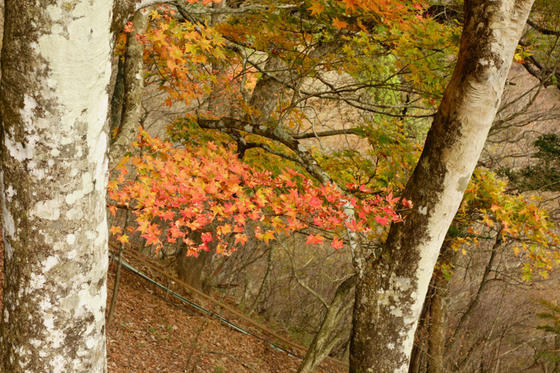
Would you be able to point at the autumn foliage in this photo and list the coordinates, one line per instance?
(209, 190)
(488, 205)
(205, 188)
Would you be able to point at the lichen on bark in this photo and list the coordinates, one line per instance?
(56, 67)
(389, 296)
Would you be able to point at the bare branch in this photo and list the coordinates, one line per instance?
(542, 30)
(345, 131)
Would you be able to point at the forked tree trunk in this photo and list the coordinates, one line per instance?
(56, 63)
(393, 283)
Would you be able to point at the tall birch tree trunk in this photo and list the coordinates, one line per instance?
(56, 63)
(393, 283)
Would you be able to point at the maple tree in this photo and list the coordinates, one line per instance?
(179, 53)
(218, 70)
(517, 217)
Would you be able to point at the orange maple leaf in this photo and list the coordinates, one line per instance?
(314, 239)
(316, 7)
(337, 243)
(339, 24)
(241, 238)
(115, 229)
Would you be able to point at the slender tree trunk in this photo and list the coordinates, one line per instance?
(117, 280)
(429, 346)
(323, 343)
(56, 63)
(132, 87)
(457, 336)
(393, 282)
(263, 282)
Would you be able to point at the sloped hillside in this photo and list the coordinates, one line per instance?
(149, 333)
(152, 332)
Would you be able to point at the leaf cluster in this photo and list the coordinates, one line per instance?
(180, 191)
(520, 219)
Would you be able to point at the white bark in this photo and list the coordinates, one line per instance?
(389, 296)
(56, 64)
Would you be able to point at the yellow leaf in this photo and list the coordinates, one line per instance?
(123, 239)
(155, 14)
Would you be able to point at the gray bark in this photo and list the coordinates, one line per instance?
(323, 343)
(56, 62)
(429, 345)
(393, 282)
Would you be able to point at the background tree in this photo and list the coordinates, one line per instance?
(507, 222)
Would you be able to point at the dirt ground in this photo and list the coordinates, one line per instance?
(152, 332)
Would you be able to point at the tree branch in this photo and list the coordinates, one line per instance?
(541, 29)
(345, 131)
(251, 145)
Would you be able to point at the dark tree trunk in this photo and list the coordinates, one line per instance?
(193, 270)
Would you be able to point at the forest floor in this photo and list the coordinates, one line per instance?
(151, 332)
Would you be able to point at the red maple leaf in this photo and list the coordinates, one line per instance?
(406, 203)
(206, 237)
(167, 215)
(383, 220)
(337, 243)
